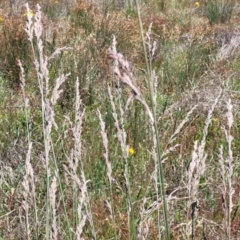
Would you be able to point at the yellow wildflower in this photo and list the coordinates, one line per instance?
(214, 120)
(131, 151)
(1, 19)
(56, 2)
(196, 4)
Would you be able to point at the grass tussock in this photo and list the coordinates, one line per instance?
(119, 120)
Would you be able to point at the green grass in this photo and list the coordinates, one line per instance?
(219, 11)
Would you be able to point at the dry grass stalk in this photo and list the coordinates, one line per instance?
(77, 128)
(28, 181)
(173, 137)
(49, 98)
(84, 213)
(122, 139)
(145, 222)
(83, 200)
(146, 214)
(105, 145)
(182, 123)
(53, 191)
(109, 205)
(230, 49)
(28, 190)
(121, 134)
(122, 68)
(226, 172)
(82, 221)
(123, 72)
(197, 165)
(151, 47)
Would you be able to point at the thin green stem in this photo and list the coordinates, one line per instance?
(131, 221)
(160, 168)
(113, 211)
(62, 194)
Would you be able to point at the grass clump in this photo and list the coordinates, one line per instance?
(219, 11)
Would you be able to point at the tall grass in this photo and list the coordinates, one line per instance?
(49, 98)
(150, 80)
(134, 162)
(226, 171)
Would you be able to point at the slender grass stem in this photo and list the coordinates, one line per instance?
(62, 194)
(160, 168)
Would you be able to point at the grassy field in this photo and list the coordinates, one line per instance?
(119, 119)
